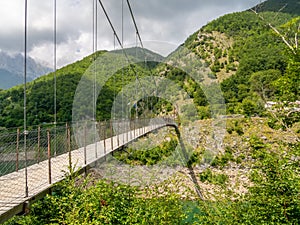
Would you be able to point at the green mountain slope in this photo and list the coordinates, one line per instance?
(284, 6)
(40, 92)
(238, 45)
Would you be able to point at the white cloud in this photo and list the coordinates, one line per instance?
(163, 21)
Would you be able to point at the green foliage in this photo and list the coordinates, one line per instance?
(204, 112)
(275, 6)
(256, 143)
(77, 202)
(273, 197)
(262, 83)
(264, 67)
(209, 176)
(288, 86)
(248, 107)
(283, 115)
(194, 158)
(236, 24)
(189, 112)
(235, 126)
(40, 97)
(221, 160)
(148, 156)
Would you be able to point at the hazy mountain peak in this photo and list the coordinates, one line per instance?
(12, 69)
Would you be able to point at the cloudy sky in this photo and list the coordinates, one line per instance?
(163, 24)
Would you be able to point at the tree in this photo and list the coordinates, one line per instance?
(289, 84)
(262, 83)
(274, 198)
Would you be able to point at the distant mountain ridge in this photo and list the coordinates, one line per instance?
(12, 69)
(284, 6)
(141, 54)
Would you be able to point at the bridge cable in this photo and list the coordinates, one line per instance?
(117, 37)
(111, 25)
(141, 43)
(136, 80)
(95, 49)
(55, 69)
(114, 38)
(134, 23)
(129, 176)
(122, 38)
(25, 98)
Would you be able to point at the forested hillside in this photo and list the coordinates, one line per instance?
(40, 97)
(286, 6)
(40, 92)
(254, 64)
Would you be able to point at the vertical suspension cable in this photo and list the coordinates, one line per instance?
(93, 22)
(122, 40)
(54, 74)
(114, 74)
(25, 112)
(94, 57)
(142, 46)
(122, 43)
(95, 48)
(136, 77)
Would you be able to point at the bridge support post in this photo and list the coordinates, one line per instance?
(49, 157)
(84, 151)
(118, 134)
(17, 150)
(95, 138)
(134, 129)
(39, 144)
(26, 207)
(127, 132)
(111, 135)
(69, 144)
(104, 137)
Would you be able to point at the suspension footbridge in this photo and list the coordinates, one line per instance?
(19, 188)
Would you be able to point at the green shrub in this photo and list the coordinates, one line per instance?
(222, 160)
(209, 176)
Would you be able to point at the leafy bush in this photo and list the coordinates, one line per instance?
(147, 156)
(102, 203)
(273, 197)
(222, 160)
(235, 126)
(208, 175)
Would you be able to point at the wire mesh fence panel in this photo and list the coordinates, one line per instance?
(8, 152)
(12, 183)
